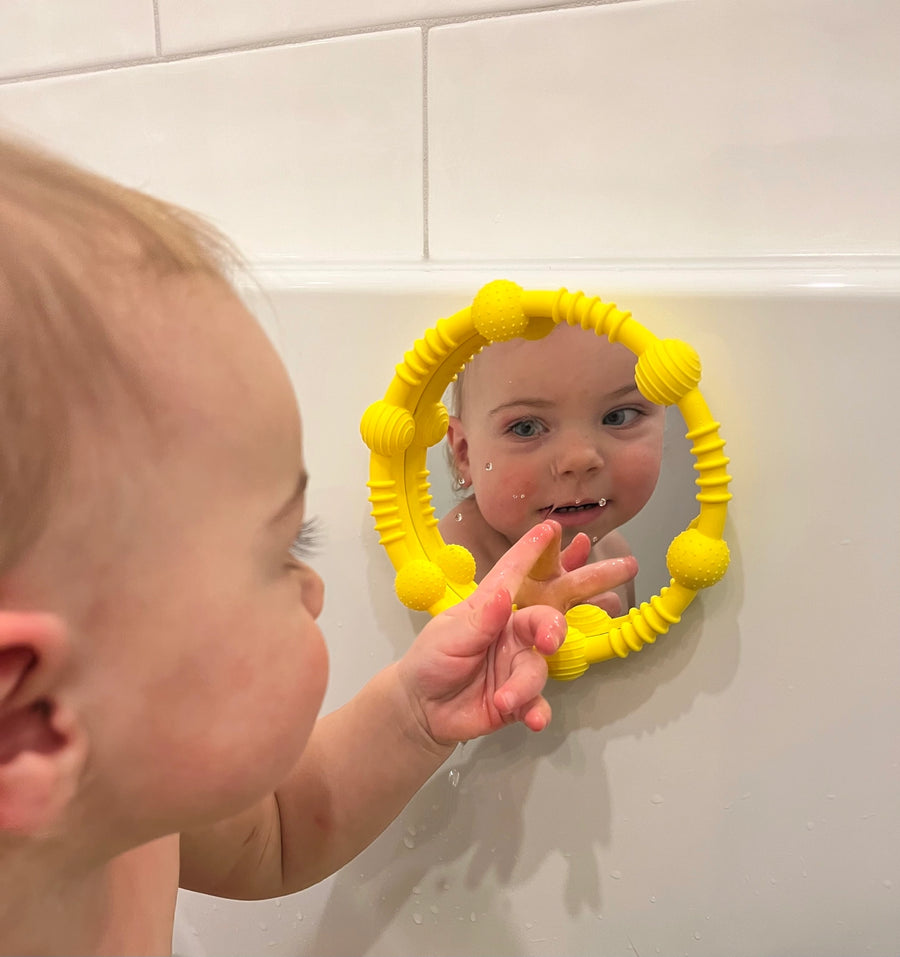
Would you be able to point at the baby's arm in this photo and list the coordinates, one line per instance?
(473, 669)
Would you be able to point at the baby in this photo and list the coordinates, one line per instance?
(552, 428)
(161, 669)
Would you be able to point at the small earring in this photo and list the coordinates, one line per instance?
(461, 482)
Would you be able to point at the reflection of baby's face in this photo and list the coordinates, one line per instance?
(557, 426)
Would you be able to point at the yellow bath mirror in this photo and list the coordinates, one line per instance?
(432, 575)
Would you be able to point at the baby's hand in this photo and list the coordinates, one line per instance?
(561, 579)
(480, 665)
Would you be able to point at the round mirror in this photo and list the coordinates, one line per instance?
(514, 396)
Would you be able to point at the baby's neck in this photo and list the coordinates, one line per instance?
(125, 906)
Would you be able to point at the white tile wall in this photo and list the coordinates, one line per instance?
(42, 35)
(631, 130)
(205, 24)
(661, 129)
(292, 150)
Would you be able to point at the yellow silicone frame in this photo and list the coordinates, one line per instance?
(400, 428)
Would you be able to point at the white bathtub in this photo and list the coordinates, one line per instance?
(732, 789)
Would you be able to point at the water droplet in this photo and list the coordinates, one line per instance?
(278, 903)
(830, 797)
(417, 918)
(888, 884)
(602, 502)
(453, 777)
(417, 890)
(299, 915)
(488, 466)
(697, 935)
(528, 925)
(472, 917)
(616, 875)
(459, 516)
(434, 909)
(595, 539)
(263, 926)
(653, 899)
(409, 842)
(657, 799)
(810, 825)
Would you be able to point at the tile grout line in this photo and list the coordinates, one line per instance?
(426, 252)
(156, 28)
(424, 23)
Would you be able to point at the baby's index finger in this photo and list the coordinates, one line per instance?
(521, 560)
(548, 566)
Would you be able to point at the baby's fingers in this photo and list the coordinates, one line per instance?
(519, 697)
(512, 569)
(541, 627)
(598, 577)
(576, 553)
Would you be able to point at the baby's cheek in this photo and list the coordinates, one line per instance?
(638, 476)
(508, 502)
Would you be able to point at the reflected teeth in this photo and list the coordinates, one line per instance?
(580, 508)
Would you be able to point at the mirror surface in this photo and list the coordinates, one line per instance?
(556, 428)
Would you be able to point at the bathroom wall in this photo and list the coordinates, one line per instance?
(727, 170)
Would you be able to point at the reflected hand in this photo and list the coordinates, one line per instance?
(480, 665)
(560, 578)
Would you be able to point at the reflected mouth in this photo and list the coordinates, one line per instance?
(574, 509)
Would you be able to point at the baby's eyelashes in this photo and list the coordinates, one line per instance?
(307, 540)
(526, 428)
(619, 417)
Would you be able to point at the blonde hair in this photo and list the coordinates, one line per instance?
(454, 397)
(67, 238)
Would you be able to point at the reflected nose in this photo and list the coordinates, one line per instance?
(577, 454)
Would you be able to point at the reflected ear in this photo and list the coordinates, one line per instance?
(459, 449)
(42, 745)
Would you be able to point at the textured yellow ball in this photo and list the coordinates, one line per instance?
(497, 311)
(570, 661)
(387, 429)
(432, 424)
(696, 561)
(456, 563)
(666, 371)
(419, 584)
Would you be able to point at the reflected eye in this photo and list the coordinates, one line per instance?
(526, 428)
(619, 417)
(306, 542)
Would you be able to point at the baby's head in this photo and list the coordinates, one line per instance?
(159, 660)
(555, 427)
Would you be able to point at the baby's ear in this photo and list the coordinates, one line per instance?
(459, 448)
(42, 744)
